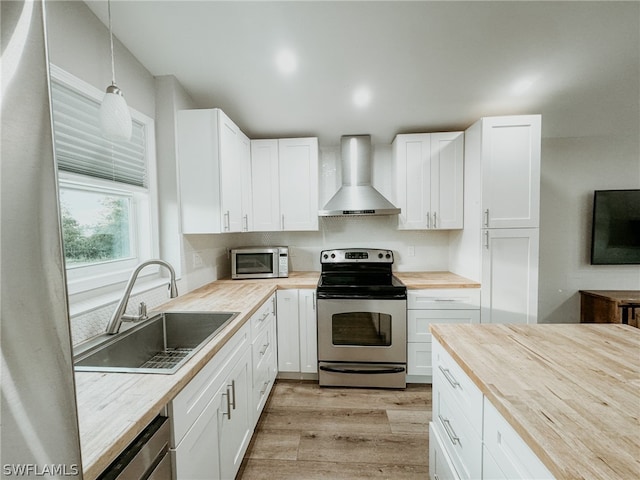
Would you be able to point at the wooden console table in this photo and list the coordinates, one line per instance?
(610, 306)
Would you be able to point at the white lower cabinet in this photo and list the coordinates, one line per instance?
(210, 417)
(428, 306)
(264, 352)
(235, 417)
(440, 466)
(213, 417)
(297, 331)
(468, 438)
(506, 455)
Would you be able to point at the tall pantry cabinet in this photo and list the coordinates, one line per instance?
(499, 244)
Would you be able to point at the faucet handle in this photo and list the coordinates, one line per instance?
(142, 311)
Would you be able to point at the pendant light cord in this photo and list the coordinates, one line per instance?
(113, 64)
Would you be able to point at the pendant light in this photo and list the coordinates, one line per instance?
(115, 118)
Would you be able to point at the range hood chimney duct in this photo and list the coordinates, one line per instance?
(357, 196)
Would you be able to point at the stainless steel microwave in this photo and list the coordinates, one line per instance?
(259, 262)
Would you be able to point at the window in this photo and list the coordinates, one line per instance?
(105, 189)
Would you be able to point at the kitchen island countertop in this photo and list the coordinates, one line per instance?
(113, 408)
(572, 392)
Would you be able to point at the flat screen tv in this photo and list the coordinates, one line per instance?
(615, 236)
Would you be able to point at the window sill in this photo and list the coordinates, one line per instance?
(100, 301)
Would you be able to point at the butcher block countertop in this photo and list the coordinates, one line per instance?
(113, 408)
(572, 392)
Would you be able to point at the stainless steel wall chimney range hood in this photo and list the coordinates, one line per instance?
(357, 196)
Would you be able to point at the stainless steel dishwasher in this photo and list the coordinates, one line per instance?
(146, 458)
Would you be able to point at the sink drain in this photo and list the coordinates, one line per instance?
(167, 359)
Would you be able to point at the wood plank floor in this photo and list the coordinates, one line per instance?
(308, 433)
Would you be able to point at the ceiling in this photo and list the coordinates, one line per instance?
(428, 66)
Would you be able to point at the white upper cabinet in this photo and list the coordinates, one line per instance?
(212, 155)
(510, 159)
(298, 163)
(429, 180)
(284, 182)
(265, 186)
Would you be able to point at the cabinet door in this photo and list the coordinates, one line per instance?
(298, 161)
(505, 452)
(235, 417)
(265, 184)
(230, 175)
(511, 171)
(288, 331)
(413, 177)
(199, 171)
(447, 171)
(196, 457)
(244, 152)
(509, 291)
(308, 331)
(440, 465)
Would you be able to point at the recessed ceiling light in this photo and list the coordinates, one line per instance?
(362, 97)
(286, 61)
(523, 85)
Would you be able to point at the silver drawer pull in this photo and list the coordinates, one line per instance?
(264, 388)
(264, 349)
(449, 429)
(450, 378)
(233, 391)
(228, 412)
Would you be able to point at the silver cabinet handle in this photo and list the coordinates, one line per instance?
(450, 378)
(282, 221)
(435, 220)
(486, 218)
(428, 220)
(228, 412)
(264, 388)
(233, 391)
(264, 349)
(246, 223)
(486, 239)
(227, 221)
(449, 429)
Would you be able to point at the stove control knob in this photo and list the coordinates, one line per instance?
(333, 255)
(388, 255)
(380, 255)
(325, 256)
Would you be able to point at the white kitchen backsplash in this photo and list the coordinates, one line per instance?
(92, 322)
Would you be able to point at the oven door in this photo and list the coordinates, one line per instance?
(362, 330)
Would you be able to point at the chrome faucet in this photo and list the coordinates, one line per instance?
(118, 316)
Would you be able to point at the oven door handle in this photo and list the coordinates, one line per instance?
(364, 370)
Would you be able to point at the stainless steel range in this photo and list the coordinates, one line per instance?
(362, 320)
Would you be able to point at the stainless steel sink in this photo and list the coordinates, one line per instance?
(161, 344)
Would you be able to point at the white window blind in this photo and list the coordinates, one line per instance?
(81, 148)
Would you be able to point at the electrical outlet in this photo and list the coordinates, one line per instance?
(411, 251)
(197, 260)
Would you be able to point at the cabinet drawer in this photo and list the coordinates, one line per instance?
(449, 377)
(440, 465)
(419, 358)
(444, 299)
(508, 450)
(418, 321)
(187, 406)
(262, 350)
(260, 319)
(460, 439)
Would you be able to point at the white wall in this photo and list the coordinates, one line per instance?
(572, 168)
